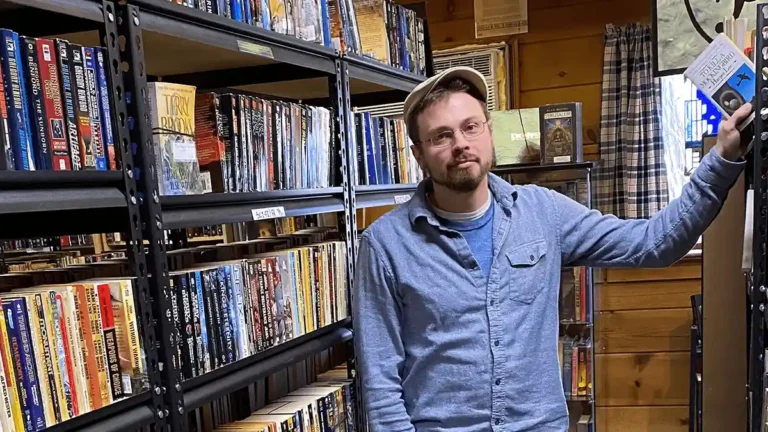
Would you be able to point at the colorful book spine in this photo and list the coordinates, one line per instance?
(106, 110)
(54, 109)
(7, 159)
(92, 94)
(110, 340)
(35, 104)
(68, 100)
(27, 381)
(80, 96)
(13, 82)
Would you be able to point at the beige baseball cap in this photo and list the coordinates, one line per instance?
(471, 76)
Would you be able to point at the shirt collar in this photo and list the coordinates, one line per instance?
(504, 193)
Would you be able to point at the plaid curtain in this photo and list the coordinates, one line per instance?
(631, 181)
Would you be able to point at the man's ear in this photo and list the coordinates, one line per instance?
(416, 150)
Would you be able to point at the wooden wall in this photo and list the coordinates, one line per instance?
(560, 58)
(642, 337)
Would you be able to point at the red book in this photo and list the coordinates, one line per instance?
(54, 111)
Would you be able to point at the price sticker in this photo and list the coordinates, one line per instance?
(268, 213)
(399, 199)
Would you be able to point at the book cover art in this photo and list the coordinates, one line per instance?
(82, 107)
(108, 138)
(560, 129)
(725, 75)
(516, 136)
(94, 110)
(173, 135)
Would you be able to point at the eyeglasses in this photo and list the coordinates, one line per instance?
(470, 131)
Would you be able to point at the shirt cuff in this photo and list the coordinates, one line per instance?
(717, 171)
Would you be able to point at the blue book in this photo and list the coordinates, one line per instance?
(38, 134)
(108, 138)
(237, 10)
(325, 18)
(202, 350)
(15, 99)
(92, 93)
(21, 346)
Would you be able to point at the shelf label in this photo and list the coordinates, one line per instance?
(399, 199)
(268, 213)
(252, 48)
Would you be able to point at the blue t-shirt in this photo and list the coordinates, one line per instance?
(479, 236)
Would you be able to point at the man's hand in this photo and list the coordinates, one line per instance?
(730, 144)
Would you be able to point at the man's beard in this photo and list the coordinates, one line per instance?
(460, 179)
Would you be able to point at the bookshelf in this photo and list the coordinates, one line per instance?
(148, 41)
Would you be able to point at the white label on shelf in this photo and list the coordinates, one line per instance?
(256, 49)
(184, 150)
(399, 199)
(268, 213)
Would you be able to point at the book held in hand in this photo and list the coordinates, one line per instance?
(726, 76)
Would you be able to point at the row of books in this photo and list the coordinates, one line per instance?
(236, 143)
(55, 108)
(327, 404)
(378, 29)
(67, 350)
(226, 311)
(46, 243)
(574, 303)
(575, 355)
(384, 151)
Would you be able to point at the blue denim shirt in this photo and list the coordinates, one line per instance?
(439, 349)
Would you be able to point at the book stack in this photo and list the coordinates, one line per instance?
(67, 350)
(576, 366)
(55, 109)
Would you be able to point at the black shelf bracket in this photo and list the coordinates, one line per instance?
(169, 412)
(757, 287)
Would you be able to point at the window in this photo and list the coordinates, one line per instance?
(686, 116)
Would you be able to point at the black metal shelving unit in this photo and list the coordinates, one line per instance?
(756, 289)
(148, 40)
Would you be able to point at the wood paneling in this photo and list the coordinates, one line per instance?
(589, 95)
(641, 379)
(657, 295)
(552, 23)
(561, 63)
(685, 269)
(647, 418)
(652, 330)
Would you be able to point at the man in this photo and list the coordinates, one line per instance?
(455, 299)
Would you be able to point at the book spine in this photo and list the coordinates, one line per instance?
(65, 350)
(13, 83)
(94, 111)
(54, 110)
(87, 348)
(7, 159)
(110, 341)
(97, 335)
(187, 334)
(35, 104)
(105, 109)
(68, 101)
(203, 351)
(224, 297)
(45, 372)
(138, 371)
(9, 369)
(29, 379)
(80, 96)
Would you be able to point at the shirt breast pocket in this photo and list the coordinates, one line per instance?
(527, 271)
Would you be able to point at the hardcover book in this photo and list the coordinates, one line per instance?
(173, 135)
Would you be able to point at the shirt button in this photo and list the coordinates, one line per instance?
(531, 258)
(496, 343)
(492, 302)
(498, 382)
(498, 421)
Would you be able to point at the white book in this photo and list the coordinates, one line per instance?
(725, 75)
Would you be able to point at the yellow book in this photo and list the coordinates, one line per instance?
(94, 312)
(53, 340)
